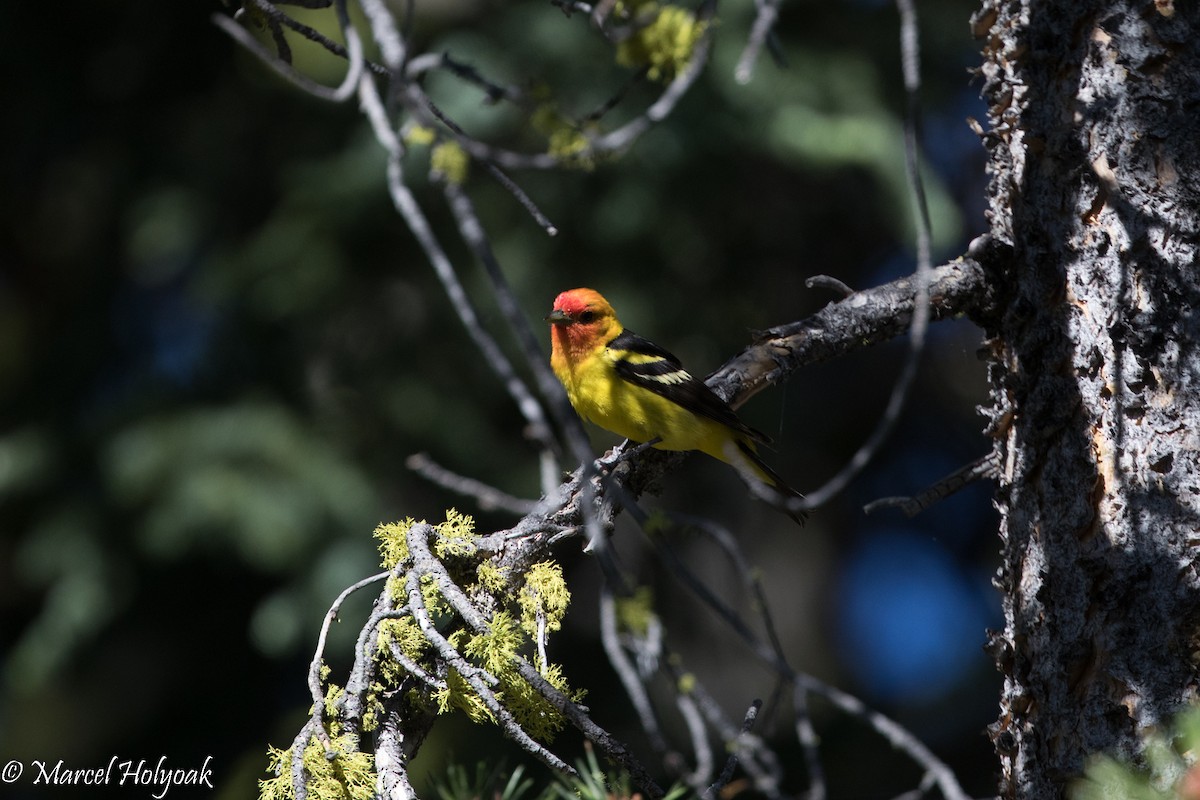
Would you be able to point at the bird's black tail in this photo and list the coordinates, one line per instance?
(783, 496)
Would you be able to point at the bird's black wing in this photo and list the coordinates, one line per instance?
(645, 364)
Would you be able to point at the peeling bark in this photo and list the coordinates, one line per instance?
(1093, 132)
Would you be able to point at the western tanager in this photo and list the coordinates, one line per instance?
(632, 387)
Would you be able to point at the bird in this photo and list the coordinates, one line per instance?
(630, 386)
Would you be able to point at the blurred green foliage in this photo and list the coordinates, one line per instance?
(1169, 770)
(218, 343)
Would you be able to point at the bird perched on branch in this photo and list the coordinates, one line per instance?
(632, 387)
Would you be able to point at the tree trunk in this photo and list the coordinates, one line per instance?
(1094, 120)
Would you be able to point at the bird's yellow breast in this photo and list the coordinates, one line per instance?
(603, 398)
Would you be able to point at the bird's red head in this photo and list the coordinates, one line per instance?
(575, 303)
(582, 321)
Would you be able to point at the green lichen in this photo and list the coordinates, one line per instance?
(418, 135)
(373, 707)
(333, 698)
(544, 594)
(455, 536)
(634, 613)
(568, 144)
(665, 45)
(458, 694)
(495, 649)
(538, 593)
(348, 775)
(431, 596)
(491, 578)
(406, 634)
(449, 162)
(565, 140)
(533, 712)
(393, 546)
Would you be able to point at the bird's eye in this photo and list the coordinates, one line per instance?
(587, 316)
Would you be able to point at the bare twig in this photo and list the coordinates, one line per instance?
(769, 653)
(621, 138)
(727, 773)
(493, 170)
(985, 467)
(829, 283)
(417, 222)
(810, 744)
(278, 65)
(318, 660)
(764, 23)
(488, 497)
(514, 314)
(628, 675)
(889, 729)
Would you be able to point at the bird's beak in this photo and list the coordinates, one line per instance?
(558, 317)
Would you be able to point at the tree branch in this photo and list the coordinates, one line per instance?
(865, 318)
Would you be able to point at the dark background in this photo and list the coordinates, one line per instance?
(219, 343)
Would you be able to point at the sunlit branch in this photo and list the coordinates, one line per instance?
(392, 782)
(386, 34)
(318, 660)
(698, 734)
(425, 564)
(315, 725)
(354, 53)
(889, 729)
(810, 745)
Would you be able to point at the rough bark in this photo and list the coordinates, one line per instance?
(1094, 110)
